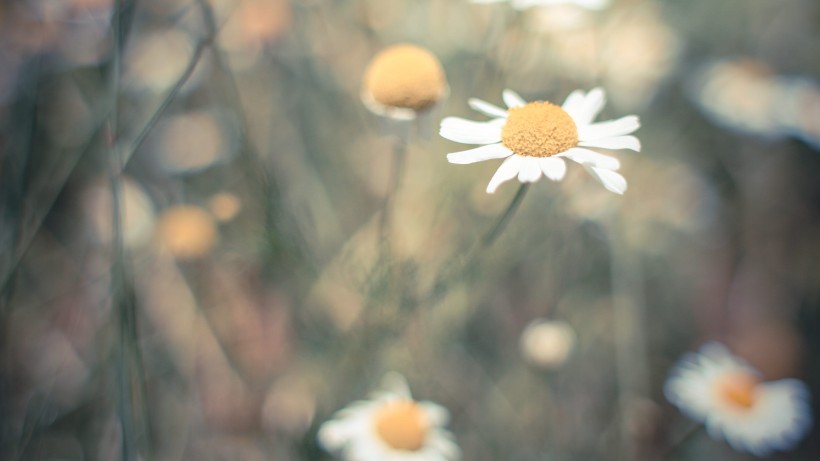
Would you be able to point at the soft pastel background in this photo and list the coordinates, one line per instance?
(231, 330)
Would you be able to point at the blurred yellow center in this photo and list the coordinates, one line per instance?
(402, 425)
(405, 76)
(738, 389)
(539, 129)
(187, 232)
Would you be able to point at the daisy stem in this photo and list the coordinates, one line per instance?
(121, 296)
(504, 219)
(399, 151)
(628, 326)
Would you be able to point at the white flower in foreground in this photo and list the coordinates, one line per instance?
(391, 426)
(525, 4)
(727, 395)
(536, 137)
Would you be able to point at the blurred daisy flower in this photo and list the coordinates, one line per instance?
(526, 4)
(730, 397)
(536, 137)
(391, 426)
(402, 81)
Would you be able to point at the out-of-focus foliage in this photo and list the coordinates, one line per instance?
(208, 246)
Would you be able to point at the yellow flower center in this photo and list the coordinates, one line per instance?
(739, 389)
(188, 232)
(402, 425)
(539, 129)
(405, 76)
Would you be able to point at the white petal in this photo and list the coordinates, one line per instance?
(615, 142)
(611, 180)
(588, 157)
(507, 171)
(620, 127)
(479, 154)
(512, 99)
(333, 435)
(440, 446)
(437, 414)
(470, 132)
(529, 170)
(574, 103)
(593, 103)
(553, 167)
(395, 383)
(486, 108)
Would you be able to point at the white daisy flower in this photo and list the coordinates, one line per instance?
(526, 4)
(730, 397)
(391, 426)
(536, 137)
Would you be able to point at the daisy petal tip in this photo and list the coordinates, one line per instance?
(512, 99)
(458, 158)
(449, 121)
(611, 180)
(598, 90)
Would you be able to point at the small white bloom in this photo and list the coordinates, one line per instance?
(536, 137)
(391, 426)
(727, 395)
(526, 4)
(547, 344)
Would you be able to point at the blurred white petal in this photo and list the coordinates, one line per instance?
(529, 170)
(620, 127)
(592, 158)
(553, 167)
(470, 132)
(615, 142)
(486, 108)
(512, 99)
(479, 154)
(505, 172)
(594, 101)
(611, 180)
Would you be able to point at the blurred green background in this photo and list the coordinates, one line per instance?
(250, 288)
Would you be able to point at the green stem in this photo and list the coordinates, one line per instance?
(399, 153)
(504, 219)
(457, 267)
(628, 315)
(115, 180)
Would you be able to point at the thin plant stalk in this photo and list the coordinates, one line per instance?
(118, 297)
(122, 291)
(397, 169)
(457, 267)
(505, 217)
(630, 341)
